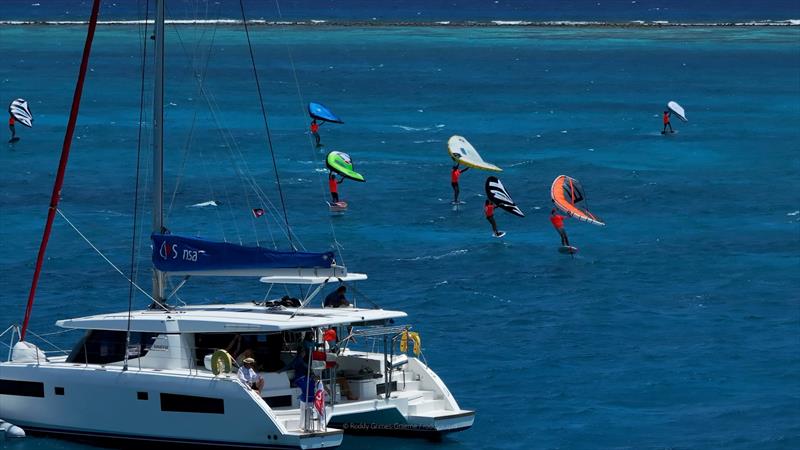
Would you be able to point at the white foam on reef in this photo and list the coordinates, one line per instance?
(510, 22)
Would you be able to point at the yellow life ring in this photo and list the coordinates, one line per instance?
(417, 342)
(404, 342)
(221, 362)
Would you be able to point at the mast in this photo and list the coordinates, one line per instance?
(158, 143)
(62, 164)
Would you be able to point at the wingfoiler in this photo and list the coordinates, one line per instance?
(464, 153)
(569, 196)
(20, 111)
(321, 112)
(341, 163)
(498, 195)
(677, 109)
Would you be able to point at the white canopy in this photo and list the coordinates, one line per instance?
(312, 279)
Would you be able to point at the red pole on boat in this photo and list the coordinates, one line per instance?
(62, 165)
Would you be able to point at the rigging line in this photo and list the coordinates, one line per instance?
(336, 245)
(201, 88)
(266, 123)
(213, 194)
(109, 261)
(199, 75)
(231, 145)
(239, 160)
(237, 157)
(134, 253)
(57, 348)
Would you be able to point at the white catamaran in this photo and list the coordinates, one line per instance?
(169, 374)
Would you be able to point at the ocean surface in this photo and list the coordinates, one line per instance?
(692, 11)
(676, 326)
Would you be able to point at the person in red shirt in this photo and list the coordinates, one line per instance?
(558, 223)
(333, 186)
(11, 127)
(315, 131)
(488, 210)
(667, 124)
(455, 174)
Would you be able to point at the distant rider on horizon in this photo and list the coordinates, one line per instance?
(666, 123)
(12, 127)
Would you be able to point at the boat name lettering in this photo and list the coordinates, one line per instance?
(381, 426)
(190, 255)
(168, 251)
(160, 345)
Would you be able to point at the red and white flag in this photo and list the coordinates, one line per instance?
(319, 400)
(258, 212)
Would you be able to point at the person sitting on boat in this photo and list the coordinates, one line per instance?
(488, 210)
(336, 299)
(245, 354)
(333, 186)
(249, 376)
(315, 131)
(558, 223)
(666, 123)
(12, 127)
(455, 173)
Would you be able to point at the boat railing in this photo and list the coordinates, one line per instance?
(14, 335)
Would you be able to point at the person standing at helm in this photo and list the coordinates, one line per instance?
(455, 174)
(558, 223)
(488, 210)
(333, 185)
(315, 131)
(666, 123)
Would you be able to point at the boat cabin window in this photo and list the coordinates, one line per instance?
(104, 346)
(265, 348)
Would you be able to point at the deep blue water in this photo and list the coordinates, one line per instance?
(421, 10)
(675, 327)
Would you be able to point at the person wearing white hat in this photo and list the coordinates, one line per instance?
(249, 376)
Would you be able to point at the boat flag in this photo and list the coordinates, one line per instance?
(319, 401)
(258, 212)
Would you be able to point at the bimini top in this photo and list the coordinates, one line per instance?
(229, 318)
(180, 255)
(569, 196)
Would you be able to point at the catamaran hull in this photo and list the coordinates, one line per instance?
(99, 402)
(424, 427)
(136, 442)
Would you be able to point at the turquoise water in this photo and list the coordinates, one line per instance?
(676, 326)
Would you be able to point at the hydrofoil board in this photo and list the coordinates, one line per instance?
(338, 206)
